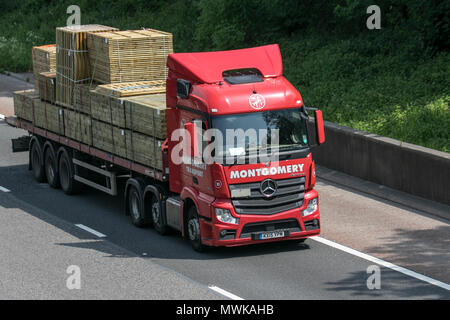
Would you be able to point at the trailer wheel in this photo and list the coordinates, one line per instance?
(66, 174)
(193, 230)
(37, 165)
(51, 165)
(136, 208)
(158, 222)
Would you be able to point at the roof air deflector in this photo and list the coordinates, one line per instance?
(241, 76)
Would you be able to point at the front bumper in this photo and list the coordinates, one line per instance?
(292, 221)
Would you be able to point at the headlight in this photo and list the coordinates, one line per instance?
(311, 208)
(224, 215)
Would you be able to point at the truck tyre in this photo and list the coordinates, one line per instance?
(193, 230)
(158, 222)
(37, 165)
(66, 174)
(51, 168)
(135, 206)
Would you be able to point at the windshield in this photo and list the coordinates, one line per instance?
(283, 129)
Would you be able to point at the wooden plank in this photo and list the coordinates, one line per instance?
(23, 103)
(47, 86)
(44, 60)
(111, 139)
(128, 89)
(147, 114)
(82, 97)
(107, 109)
(48, 116)
(147, 150)
(78, 126)
(134, 146)
(129, 56)
(72, 61)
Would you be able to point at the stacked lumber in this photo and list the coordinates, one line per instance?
(72, 61)
(129, 56)
(107, 109)
(44, 60)
(111, 139)
(128, 89)
(47, 86)
(126, 114)
(82, 97)
(137, 147)
(147, 150)
(48, 116)
(24, 101)
(147, 114)
(77, 126)
(133, 127)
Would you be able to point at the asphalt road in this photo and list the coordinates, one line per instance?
(39, 240)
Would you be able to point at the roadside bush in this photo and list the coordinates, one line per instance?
(393, 82)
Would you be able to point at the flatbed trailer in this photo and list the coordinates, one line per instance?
(76, 145)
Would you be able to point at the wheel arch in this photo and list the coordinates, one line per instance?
(186, 204)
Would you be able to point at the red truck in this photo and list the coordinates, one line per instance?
(219, 203)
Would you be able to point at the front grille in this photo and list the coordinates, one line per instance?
(289, 224)
(289, 195)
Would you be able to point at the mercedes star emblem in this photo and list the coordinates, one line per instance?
(268, 187)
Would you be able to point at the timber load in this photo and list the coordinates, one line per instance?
(129, 56)
(44, 60)
(88, 97)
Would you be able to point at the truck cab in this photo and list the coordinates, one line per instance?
(247, 175)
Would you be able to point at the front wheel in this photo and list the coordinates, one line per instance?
(193, 230)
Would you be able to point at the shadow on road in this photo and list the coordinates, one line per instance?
(392, 283)
(104, 213)
(434, 258)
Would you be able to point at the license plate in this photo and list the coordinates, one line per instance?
(271, 235)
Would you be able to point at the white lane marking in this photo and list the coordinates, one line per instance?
(225, 293)
(382, 263)
(4, 189)
(98, 234)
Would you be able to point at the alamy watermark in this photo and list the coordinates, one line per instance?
(236, 146)
(74, 280)
(374, 280)
(374, 20)
(75, 15)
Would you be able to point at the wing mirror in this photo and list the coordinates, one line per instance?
(320, 131)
